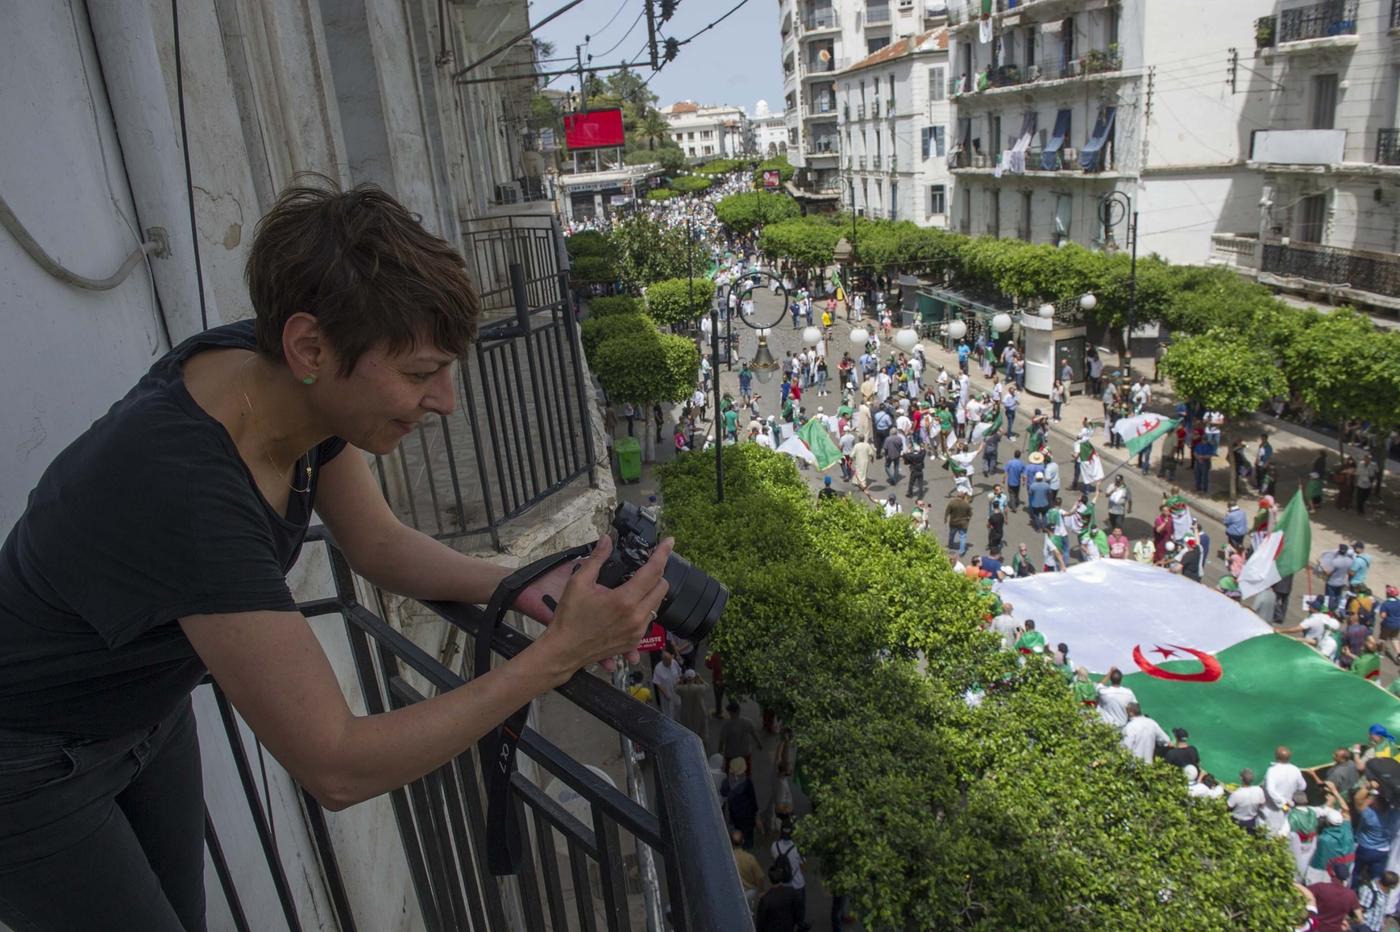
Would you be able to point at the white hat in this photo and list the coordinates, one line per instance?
(1040, 475)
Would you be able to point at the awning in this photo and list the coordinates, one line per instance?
(1014, 159)
(1050, 157)
(1091, 156)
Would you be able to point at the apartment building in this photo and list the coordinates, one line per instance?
(820, 39)
(767, 132)
(1060, 103)
(1324, 143)
(708, 132)
(894, 120)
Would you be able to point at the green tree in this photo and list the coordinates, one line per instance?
(588, 243)
(1021, 811)
(598, 330)
(746, 212)
(645, 367)
(672, 159)
(690, 184)
(1343, 367)
(613, 305)
(654, 128)
(679, 301)
(1226, 372)
(661, 194)
(779, 163)
(594, 269)
(648, 252)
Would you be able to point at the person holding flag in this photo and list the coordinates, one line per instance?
(1283, 552)
(1139, 431)
(1089, 467)
(959, 463)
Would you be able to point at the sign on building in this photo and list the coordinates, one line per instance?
(772, 178)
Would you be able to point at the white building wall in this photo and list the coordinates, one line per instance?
(270, 90)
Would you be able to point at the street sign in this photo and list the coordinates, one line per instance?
(772, 178)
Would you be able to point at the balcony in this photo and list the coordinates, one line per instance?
(815, 66)
(861, 161)
(889, 107)
(875, 108)
(860, 111)
(1298, 146)
(614, 861)
(824, 145)
(1103, 63)
(877, 14)
(894, 164)
(1388, 141)
(821, 107)
(820, 19)
(1394, 17)
(875, 162)
(1368, 277)
(1325, 20)
(1235, 250)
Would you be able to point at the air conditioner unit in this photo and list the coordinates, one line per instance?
(1032, 72)
(508, 193)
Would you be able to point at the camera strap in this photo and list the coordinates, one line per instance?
(497, 747)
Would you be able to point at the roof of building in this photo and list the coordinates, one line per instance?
(683, 106)
(933, 39)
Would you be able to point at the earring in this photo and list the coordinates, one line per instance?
(309, 380)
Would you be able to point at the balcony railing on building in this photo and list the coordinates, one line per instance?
(860, 111)
(1388, 145)
(877, 14)
(1395, 14)
(522, 429)
(1378, 273)
(1317, 21)
(821, 18)
(1093, 62)
(824, 145)
(862, 161)
(620, 866)
(821, 105)
(1235, 250)
(816, 65)
(875, 162)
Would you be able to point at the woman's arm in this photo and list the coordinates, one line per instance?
(275, 672)
(405, 561)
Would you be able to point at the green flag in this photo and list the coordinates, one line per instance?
(818, 440)
(1140, 430)
(1283, 553)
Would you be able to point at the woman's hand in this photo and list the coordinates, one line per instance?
(593, 622)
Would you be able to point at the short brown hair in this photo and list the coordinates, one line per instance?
(364, 267)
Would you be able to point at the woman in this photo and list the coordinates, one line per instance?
(1057, 400)
(155, 548)
(1161, 535)
(1084, 689)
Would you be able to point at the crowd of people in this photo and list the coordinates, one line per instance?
(899, 411)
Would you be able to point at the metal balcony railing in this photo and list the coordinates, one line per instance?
(862, 163)
(825, 145)
(1378, 273)
(821, 18)
(816, 66)
(1317, 21)
(522, 428)
(1388, 145)
(441, 818)
(875, 162)
(860, 111)
(1395, 14)
(877, 14)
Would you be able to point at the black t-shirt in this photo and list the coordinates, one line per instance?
(1180, 757)
(148, 516)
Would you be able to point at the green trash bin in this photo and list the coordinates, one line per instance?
(629, 458)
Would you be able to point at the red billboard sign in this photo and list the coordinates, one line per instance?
(595, 129)
(772, 178)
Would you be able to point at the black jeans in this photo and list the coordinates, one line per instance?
(103, 834)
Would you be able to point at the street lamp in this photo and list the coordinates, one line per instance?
(957, 330)
(859, 337)
(1001, 323)
(1047, 311)
(906, 339)
(763, 364)
(811, 335)
(1114, 207)
(1088, 302)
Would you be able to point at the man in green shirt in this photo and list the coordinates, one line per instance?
(731, 425)
(1031, 641)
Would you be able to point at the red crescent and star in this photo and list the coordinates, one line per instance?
(1209, 672)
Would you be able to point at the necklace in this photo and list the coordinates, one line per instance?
(257, 427)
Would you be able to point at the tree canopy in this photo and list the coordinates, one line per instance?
(1223, 370)
(645, 365)
(679, 300)
(1021, 811)
(746, 212)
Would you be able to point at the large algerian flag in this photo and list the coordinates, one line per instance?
(1284, 552)
(1201, 661)
(1140, 430)
(818, 440)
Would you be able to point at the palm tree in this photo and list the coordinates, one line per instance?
(654, 127)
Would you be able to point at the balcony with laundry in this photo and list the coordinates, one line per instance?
(1035, 153)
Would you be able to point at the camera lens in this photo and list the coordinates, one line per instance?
(693, 602)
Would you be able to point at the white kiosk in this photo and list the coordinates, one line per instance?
(1047, 343)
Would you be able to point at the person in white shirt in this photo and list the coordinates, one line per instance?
(1247, 802)
(1141, 735)
(1320, 630)
(1006, 626)
(664, 677)
(1114, 698)
(1194, 786)
(1282, 781)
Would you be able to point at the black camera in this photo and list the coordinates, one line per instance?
(694, 600)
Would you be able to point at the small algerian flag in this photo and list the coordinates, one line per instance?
(1182, 519)
(983, 428)
(1090, 466)
(818, 440)
(1197, 659)
(1140, 430)
(1284, 552)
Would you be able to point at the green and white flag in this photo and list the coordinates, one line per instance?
(1140, 430)
(1198, 660)
(1090, 466)
(818, 440)
(1284, 552)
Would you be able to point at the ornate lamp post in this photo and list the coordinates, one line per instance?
(1114, 207)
